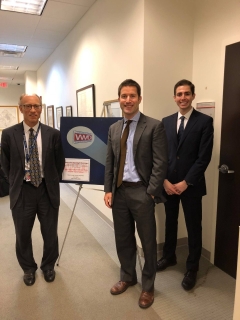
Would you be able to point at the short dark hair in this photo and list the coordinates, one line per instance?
(129, 83)
(184, 82)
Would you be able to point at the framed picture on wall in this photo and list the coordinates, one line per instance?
(59, 114)
(8, 116)
(50, 116)
(86, 101)
(43, 114)
(69, 111)
(112, 109)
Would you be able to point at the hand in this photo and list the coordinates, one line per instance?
(108, 199)
(169, 188)
(180, 187)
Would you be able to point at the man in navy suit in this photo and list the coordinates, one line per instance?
(190, 142)
(29, 198)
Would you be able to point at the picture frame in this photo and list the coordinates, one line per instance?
(43, 114)
(111, 108)
(59, 114)
(86, 101)
(9, 115)
(50, 116)
(69, 111)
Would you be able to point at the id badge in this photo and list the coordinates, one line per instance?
(27, 175)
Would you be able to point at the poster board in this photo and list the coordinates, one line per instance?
(84, 142)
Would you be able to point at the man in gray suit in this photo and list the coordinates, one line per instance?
(133, 193)
(33, 192)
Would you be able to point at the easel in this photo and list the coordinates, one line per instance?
(79, 190)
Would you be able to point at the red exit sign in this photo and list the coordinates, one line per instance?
(3, 84)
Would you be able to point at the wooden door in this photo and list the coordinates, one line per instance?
(228, 211)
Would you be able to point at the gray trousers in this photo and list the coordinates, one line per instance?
(133, 204)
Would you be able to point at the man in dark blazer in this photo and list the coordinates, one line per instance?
(26, 199)
(133, 194)
(190, 142)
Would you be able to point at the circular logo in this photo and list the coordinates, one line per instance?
(80, 137)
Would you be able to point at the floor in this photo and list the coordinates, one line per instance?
(211, 299)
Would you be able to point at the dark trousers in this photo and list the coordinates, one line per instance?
(31, 202)
(192, 208)
(133, 204)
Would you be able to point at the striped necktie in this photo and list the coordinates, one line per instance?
(35, 171)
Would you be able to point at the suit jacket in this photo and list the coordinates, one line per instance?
(189, 159)
(13, 160)
(149, 151)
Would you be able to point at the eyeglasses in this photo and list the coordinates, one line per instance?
(30, 106)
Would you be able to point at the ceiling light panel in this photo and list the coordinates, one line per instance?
(8, 68)
(6, 79)
(12, 47)
(30, 7)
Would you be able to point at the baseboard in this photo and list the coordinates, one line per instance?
(180, 242)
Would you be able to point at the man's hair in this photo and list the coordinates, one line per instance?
(129, 83)
(184, 82)
(25, 95)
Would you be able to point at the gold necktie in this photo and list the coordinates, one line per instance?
(123, 152)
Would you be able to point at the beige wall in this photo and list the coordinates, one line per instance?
(155, 42)
(105, 48)
(168, 55)
(216, 25)
(10, 96)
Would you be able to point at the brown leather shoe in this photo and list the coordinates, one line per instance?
(146, 299)
(121, 286)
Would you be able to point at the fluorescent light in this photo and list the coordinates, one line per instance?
(8, 68)
(12, 47)
(5, 79)
(27, 6)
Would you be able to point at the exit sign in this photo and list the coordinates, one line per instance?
(3, 84)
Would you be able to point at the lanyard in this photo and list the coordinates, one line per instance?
(28, 150)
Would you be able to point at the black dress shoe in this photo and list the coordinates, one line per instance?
(49, 275)
(163, 263)
(189, 280)
(29, 278)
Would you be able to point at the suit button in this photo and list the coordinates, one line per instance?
(178, 157)
(175, 170)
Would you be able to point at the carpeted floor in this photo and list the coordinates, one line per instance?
(87, 269)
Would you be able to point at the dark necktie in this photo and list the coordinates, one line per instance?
(181, 129)
(123, 152)
(35, 172)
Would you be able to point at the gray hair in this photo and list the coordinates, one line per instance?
(26, 95)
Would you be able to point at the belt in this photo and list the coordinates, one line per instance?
(29, 182)
(132, 184)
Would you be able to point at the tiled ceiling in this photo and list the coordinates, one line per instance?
(41, 34)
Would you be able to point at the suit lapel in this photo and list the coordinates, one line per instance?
(118, 132)
(173, 128)
(18, 136)
(141, 125)
(44, 137)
